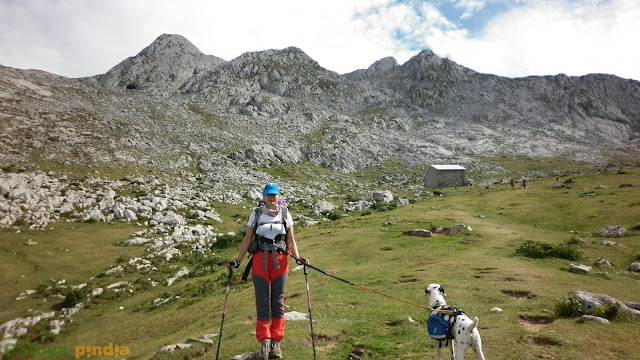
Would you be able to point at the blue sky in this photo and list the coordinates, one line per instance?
(511, 38)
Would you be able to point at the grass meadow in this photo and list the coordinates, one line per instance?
(479, 270)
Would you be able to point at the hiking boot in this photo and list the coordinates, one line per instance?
(275, 352)
(265, 347)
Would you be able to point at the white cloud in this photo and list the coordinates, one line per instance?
(551, 38)
(81, 38)
(469, 6)
(536, 37)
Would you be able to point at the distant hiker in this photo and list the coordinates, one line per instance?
(272, 226)
(512, 181)
(524, 183)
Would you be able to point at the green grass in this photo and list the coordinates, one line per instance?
(208, 118)
(71, 251)
(560, 165)
(480, 269)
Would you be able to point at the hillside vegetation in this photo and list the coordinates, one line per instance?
(479, 269)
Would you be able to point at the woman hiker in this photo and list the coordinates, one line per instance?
(273, 226)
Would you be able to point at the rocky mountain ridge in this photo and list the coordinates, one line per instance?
(173, 107)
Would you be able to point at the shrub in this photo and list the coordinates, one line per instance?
(568, 307)
(567, 253)
(574, 241)
(351, 198)
(334, 215)
(535, 249)
(203, 264)
(541, 250)
(72, 298)
(382, 206)
(123, 259)
(608, 311)
(227, 241)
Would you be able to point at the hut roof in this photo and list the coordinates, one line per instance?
(448, 167)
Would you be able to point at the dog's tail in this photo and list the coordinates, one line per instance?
(473, 325)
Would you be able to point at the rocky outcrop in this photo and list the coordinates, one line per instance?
(185, 109)
(165, 64)
(590, 302)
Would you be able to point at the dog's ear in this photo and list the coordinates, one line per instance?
(427, 290)
(442, 291)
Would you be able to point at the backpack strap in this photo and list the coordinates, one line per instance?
(285, 216)
(257, 212)
(266, 248)
(247, 269)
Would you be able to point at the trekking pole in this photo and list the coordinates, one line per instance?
(224, 309)
(306, 280)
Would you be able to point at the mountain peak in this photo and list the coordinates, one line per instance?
(168, 61)
(289, 56)
(376, 69)
(170, 42)
(428, 65)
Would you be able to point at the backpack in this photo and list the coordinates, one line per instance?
(439, 328)
(256, 244)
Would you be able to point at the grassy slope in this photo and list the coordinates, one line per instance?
(478, 269)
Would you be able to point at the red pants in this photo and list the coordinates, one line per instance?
(269, 287)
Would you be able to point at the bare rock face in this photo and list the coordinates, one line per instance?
(377, 69)
(172, 107)
(165, 64)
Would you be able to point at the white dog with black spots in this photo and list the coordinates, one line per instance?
(464, 331)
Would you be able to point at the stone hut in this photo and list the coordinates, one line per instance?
(439, 176)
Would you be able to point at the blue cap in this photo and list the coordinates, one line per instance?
(271, 188)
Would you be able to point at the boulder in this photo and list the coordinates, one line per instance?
(4, 343)
(172, 219)
(295, 315)
(383, 196)
(598, 319)
(183, 272)
(612, 231)
(173, 347)
(231, 198)
(129, 215)
(321, 206)
(454, 230)
(590, 302)
(421, 233)
(55, 326)
(579, 268)
(602, 263)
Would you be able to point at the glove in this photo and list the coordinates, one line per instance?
(234, 264)
(302, 261)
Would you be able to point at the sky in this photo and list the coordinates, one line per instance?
(512, 38)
